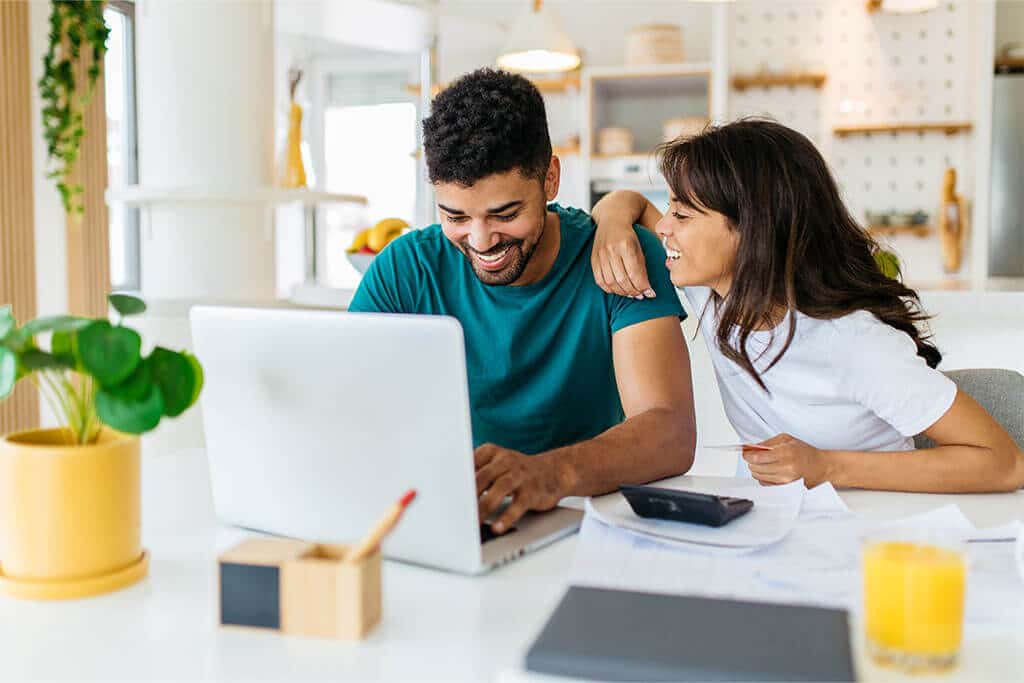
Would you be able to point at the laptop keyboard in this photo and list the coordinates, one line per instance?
(488, 534)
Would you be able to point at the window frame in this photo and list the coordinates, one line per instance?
(130, 145)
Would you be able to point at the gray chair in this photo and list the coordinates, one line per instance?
(1000, 392)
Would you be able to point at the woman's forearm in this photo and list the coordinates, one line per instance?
(626, 207)
(944, 469)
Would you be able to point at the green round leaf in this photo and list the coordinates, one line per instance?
(16, 341)
(197, 370)
(6, 321)
(67, 323)
(109, 353)
(131, 416)
(8, 372)
(173, 373)
(127, 305)
(137, 386)
(62, 345)
(35, 359)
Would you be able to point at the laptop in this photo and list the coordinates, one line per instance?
(317, 421)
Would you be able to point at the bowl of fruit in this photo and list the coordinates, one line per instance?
(371, 241)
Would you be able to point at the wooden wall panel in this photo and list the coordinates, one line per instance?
(88, 234)
(17, 224)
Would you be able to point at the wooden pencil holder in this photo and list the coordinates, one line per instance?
(299, 588)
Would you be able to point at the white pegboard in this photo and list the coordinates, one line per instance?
(776, 37)
(906, 69)
(881, 68)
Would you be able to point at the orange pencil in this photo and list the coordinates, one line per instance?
(382, 529)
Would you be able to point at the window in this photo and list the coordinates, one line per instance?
(370, 150)
(369, 143)
(122, 142)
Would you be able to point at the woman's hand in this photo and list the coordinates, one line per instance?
(788, 460)
(618, 259)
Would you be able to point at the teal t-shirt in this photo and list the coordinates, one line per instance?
(538, 356)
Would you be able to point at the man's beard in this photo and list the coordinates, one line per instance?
(519, 253)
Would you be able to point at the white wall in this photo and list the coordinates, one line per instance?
(375, 24)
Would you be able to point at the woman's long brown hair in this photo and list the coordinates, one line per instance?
(799, 248)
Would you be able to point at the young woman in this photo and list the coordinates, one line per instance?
(818, 355)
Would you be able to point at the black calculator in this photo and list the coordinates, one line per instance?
(684, 506)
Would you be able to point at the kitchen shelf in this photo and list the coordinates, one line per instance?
(567, 149)
(949, 128)
(141, 195)
(605, 186)
(1009, 64)
(641, 98)
(916, 230)
(814, 79)
(633, 156)
(546, 85)
(651, 79)
(649, 70)
(414, 89)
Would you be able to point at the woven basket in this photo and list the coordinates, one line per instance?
(655, 44)
(614, 141)
(683, 126)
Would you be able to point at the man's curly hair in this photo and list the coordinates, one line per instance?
(487, 122)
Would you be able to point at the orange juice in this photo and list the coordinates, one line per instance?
(914, 601)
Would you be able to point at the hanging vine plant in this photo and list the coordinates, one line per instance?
(77, 29)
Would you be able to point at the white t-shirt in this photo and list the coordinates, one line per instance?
(852, 383)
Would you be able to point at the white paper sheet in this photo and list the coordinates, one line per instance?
(772, 517)
(950, 520)
(823, 501)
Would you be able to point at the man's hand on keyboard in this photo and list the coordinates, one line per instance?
(533, 481)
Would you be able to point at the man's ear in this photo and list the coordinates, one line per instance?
(552, 179)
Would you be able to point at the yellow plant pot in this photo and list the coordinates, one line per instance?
(69, 515)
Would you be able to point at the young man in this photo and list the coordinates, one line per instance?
(554, 363)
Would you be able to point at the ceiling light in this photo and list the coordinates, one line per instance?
(536, 43)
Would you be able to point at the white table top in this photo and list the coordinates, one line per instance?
(435, 626)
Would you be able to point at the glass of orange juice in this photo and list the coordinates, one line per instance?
(914, 586)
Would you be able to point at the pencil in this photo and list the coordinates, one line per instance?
(372, 540)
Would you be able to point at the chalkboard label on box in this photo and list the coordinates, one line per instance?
(250, 595)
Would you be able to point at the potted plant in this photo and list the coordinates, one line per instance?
(69, 496)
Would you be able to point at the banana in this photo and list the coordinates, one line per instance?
(385, 231)
(360, 241)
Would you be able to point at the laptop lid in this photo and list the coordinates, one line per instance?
(317, 421)
(626, 636)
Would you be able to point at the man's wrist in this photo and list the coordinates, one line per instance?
(563, 473)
